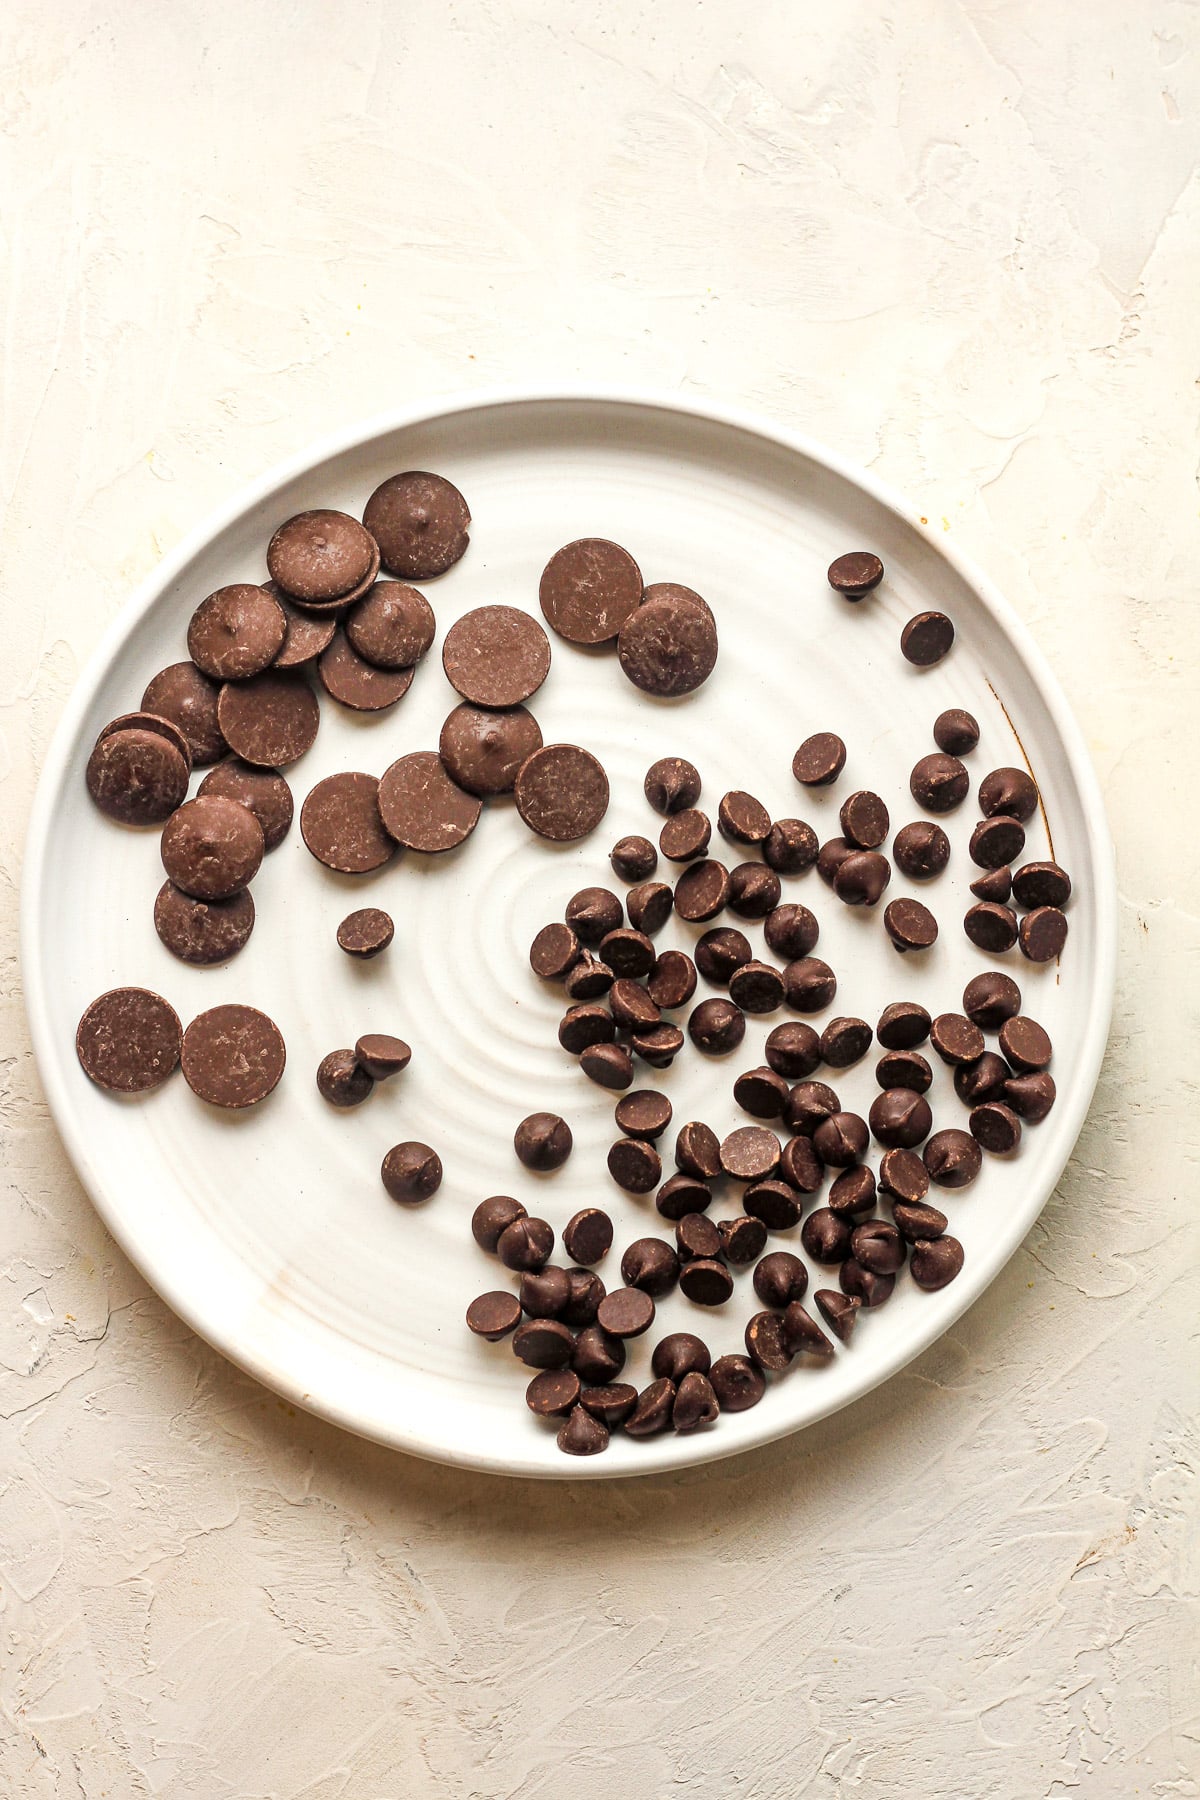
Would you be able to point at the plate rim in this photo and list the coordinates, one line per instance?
(428, 411)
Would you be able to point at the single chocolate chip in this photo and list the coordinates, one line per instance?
(608, 1065)
(695, 1404)
(996, 841)
(412, 1172)
(631, 1005)
(926, 639)
(496, 656)
(682, 1194)
(991, 927)
(903, 1176)
(365, 933)
(680, 1354)
(203, 932)
(525, 1244)
(420, 522)
(644, 1114)
(668, 645)
(381, 1055)
(598, 1355)
(341, 826)
(993, 885)
(554, 952)
(1026, 1045)
(855, 573)
(1042, 934)
(649, 905)
(742, 819)
(904, 1069)
(864, 1284)
(356, 683)
(903, 1025)
(629, 954)
(853, 1192)
(809, 985)
(652, 1265)
(270, 720)
(698, 1151)
(864, 820)
(263, 791)
(952, 1158)
(138, 777)
(583, 1026)
(544, 1293)
(635, 1165)
(561, 792)
(720, 951)
(737, 1384)
(341, 1080)
(766, 1344)
(232, 1056)
(706, 1281)
(633, 858)
(819, 760)
(793, 1050)
(800, 1166)
(320, 555)
(921, 850)
(583, 1301)
(839, 1311)
(493, 1316)
(900, 1119)
(982, 1080)
(237, 632)
(1041, 884)
(672, 980)
(935, 1264)
(672, 785)
(306, 634)
(543, 1141)
(552, 1393)
(128, 1040)
(844, 1041)
(956, 732)
(754, 890)
(652, 1413)
(995, 1126)
(1031, 1096)
(910, 925)
(627, 1312)
(830, 858)
(611, 1404)
(878, 1246)
(862, 878)
(841, 1140)
(697, 1235)
(915, 1220)
(1011, 791)
(685, 836)
(716, 1027)
(803, 1335)
(990, 999)
(825, 1236)
(587, 1237)
(762, 1093)
(188, 700)
(422, 808)
(956, 1039)
(790, 847)
(592, 913)
(750, 1153)
(544, 1344)
(743, 1239)
(939, 783)
(780, 1278)
(791, 931)
(810, 1103)
(657, 1045)
(212, 847)
(492, 1217)
(392, 626)
(483, 748)
(588, 589)
(756, 987)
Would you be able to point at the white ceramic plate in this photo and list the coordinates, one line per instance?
(269, 1232)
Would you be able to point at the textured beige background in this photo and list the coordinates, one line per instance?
(960, 243)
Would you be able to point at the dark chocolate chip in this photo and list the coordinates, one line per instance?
(635, 1165)
(803, 1335)
(706, 1281)
(790, 847)
(583, 1026)
(916, 1220)
(587, 1237)
(544, 1344)
(720, 951)
(756, 987)
(841, 1140)
(701, 891)
(956, 1039)
(672, 785)
(644, 1114)
(128, 1040)
(561, 792)
(412, 1172)
(939, 783)
(934, 1264)
(680, 1354)
(996, 841)
(341, 1080)
(672, 980)
(657, 1045)
(865, 1284)
(903, 1025)
(633, 858)
(995, 1126)
(793, 1050)
(627, 1312)
(698, 1151)
(650, 1264)
(750, 1153)
(809, 985)
(525, 1244)
(921, 850)
(493, 1316)
(598, 1355)
(853, 1192)
(742, 819)
(716, 1027)
(904, 1069)
(628, 953)
(862, 878)
(810, 1103)
(839, 1311)
(592, 913)
(800, 1166)
(697, 1235)
(544, 1293)
(737, 1384)
(878, 1246)
(588, 979)
(956, 732)
(552, 1393)
(952, 1158)
(682, 1194)
(365, 933)
(762, 1093)
(926, 639)
(1031, 1096)
(631, 1005)
(779, 1278)
(903, 1176)
(791, 931)
(855, 573)
(864, 820)
(1042, 934)
(819, 760)
(583, 1301)
(825, 1236)
(994, 885)
(695, 1404)
(543, 1141)
(652, 1413)
(830, 858)
(991, 998)
(1026, 1045)
(754, 890)
(910, 925)
(554, 952)
(766, 1343)
(844, 1041)
(1041, 884)
(650, 905)
(1011, 791)
(611, 1404)
(492, 1217)
(982, 1080)
(900, 1119)
(742, 1239)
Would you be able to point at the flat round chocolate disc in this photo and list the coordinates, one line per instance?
(237, 632)
(422, 808)
(496, 656)
(588, 590)
(202, 931)
(167, 728)
(270, 720)
(365, 933)
(264, 791)
(212, 847)
(137, 777)
(189, 699)
(562, 792)
(307, 633)
(352, 681)
(233, 1056)
(392, 626)
(320, 555)
(341, 825)
(668, 647)
(420, 522)
(483, 749)
(128, 1040)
